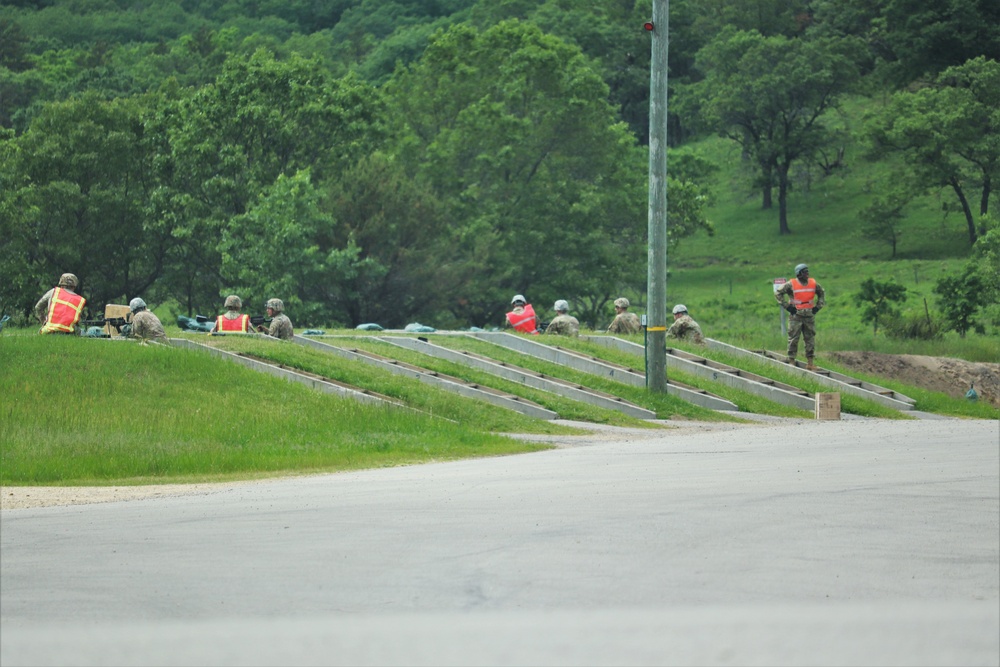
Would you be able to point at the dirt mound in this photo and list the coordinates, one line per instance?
(944, 374)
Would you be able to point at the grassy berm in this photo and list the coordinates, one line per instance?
(89, 412)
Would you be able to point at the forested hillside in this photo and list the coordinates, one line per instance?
(395, 161)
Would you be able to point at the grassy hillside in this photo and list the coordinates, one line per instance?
(726, 280)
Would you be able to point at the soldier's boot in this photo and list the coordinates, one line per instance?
(790, 360)
(810, 366)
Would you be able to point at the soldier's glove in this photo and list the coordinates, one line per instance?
(790, 308)
(816, 309)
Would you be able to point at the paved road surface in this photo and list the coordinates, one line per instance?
(862, 542)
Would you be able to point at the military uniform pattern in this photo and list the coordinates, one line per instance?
(281, 327)
(625, 323)
(147, 327)
(685, 328)
(565, 325)
(803, 323)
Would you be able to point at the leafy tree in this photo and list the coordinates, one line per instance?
(225, 145)
(878, 299)
(770, 95)
(948, 134)
(407, 267)
(512, 130)
(82, 201)
(13, 46)
(275, 250)
(883, 217)
(961, 299)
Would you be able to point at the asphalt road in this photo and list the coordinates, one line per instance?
(862, 542)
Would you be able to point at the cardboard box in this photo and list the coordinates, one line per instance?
(828, 406)
(113, 310)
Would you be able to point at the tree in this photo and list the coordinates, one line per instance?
(878, 299)
(882, 218)
(913, 40)
(948, 134)
(961, 298)
(770, 95)
(227, 145)
(407, 266)
(82, 197)
(511, 129)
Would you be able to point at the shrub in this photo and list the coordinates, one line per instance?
(913, 326)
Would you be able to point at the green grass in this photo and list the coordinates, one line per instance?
(665, 406)
(77, 411)
(418, 395)
(726, 279)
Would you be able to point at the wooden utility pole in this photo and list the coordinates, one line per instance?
(656, 282)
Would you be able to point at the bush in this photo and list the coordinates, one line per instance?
(917, 326)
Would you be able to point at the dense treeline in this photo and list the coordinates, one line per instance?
(398, 161)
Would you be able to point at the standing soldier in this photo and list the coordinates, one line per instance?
(684, 326)
(805, 298)
(145, 325)
(624, 322)
(232, 320)
(563, 323)
(281, 326)
(59, 309)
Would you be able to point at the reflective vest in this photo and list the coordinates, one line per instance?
(64, 311)
(241, 323)
(804, 294)
(523, 321)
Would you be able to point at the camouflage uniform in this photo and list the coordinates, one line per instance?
(685, 328)
(566, 325)
(281, 327)
(803, 322)
(147, 327)
(625, 323)
(42, 307)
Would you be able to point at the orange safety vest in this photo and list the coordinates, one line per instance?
(804, 294)
(242, 323)
(64, 311)
(523, 321)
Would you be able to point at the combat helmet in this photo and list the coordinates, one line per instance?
(234, 302)
(800, 268)
(136, 304)
(561, 306)
(680, 308)
(275, 304)
(68, 280)
(621, 302)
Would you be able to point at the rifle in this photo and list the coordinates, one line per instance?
(118, 323)
(257, 320)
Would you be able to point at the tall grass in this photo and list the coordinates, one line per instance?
(78, 411)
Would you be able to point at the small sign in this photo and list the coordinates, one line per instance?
(778, 282)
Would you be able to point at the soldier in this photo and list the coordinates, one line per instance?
(521, 316)
(563, 323)
(59, 309)
(232, 320)
(145, 325)
(806, 298)
(684, 327)
(624, 322)
(281, 326)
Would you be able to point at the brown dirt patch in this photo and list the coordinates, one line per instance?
(950, 376)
